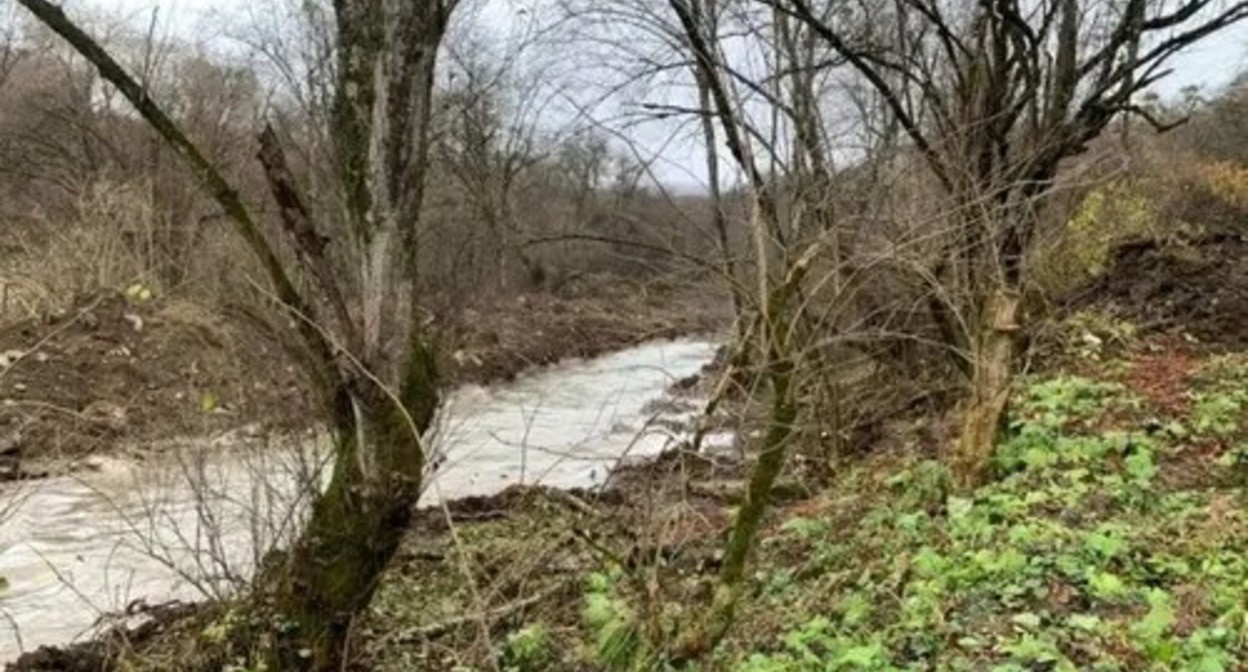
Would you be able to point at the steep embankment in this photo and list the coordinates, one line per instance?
(120, 374)
(1112, 538)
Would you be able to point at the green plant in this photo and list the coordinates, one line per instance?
(1074, 558)
(1034, 650)
(617, 634)
(528, 650)
(1056, 401)
(922, 486)
(222, 628)
(1217, 412)
(1235, 460)
(1151, 633)
(815, 646)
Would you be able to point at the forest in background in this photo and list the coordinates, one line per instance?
(914, 208)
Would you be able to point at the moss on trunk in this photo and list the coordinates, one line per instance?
(356, 526)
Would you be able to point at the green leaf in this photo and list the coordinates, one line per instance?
(1107, 586)
(855, 609)
(958, 507)
(1027, 620)
(1033, 649)
(805, 528)
(1208, 662)
(139, 292)
(1159, 619)
(1085, 622)
(865, 656)
(929, 563)
(1105, 545)
(1140, 466)
(1177, 430)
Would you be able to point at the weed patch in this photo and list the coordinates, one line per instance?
(1078, 557)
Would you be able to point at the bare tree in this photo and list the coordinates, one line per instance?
(710, 138)
(748, 113)
(778, 290)
(993, 96)
(493, 131)
(359, 323)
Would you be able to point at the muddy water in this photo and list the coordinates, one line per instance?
(194, 521)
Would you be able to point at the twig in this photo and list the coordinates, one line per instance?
(571, 500)
(499, 613)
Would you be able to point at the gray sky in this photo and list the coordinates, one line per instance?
(1208, 65)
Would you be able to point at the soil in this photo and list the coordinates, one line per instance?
(1197, 288)
(114, 372)
(497, 339)
(117, 375)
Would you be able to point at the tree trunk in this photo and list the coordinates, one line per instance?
(356, 526)
(996, 347)
(382, 396)
(704, 635)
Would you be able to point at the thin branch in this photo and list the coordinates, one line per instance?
(209, 176)
(308, 242)
(891, 97)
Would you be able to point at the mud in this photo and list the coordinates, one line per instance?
(1196, 288)
(101, 653)
(117, 375)
(498, 339)
(114, 373)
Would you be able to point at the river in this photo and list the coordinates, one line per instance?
(193, 521)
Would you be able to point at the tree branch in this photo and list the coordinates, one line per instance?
(213, 183)
(801, 10)
(309, 244)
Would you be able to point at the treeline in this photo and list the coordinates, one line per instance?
(91, 198)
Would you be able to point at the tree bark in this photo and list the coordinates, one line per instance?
(996, 347)
(387, 58)
(356, 526)
(703, 636)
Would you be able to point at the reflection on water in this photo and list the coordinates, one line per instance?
(193, 522)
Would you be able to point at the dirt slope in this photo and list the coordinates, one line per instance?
(117, 374)
(1197, 287)
(114, 371)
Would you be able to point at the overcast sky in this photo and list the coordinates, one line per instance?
(1208, 65)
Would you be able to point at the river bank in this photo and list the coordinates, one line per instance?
(120, 375)
(1112, 537)
(88, 551)
(1112, 534)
